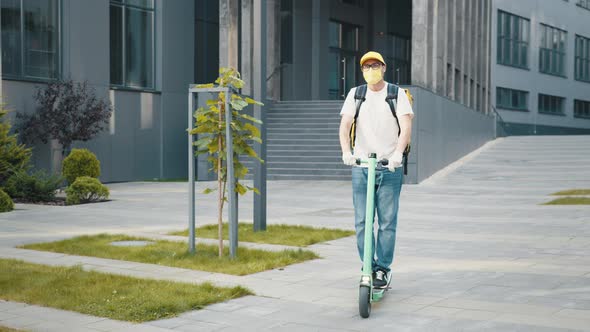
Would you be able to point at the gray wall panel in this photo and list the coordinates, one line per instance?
(443, 132)
(85, 38)
(174, 136)
(127, 119)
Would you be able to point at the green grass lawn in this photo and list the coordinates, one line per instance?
(570, 201)
(105, 295)
(7, 329)
(572, 192)
(289, 235)
(175, 254)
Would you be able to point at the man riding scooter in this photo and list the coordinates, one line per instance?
(381, 124)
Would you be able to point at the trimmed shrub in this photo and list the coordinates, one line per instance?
(86, 189)
(80, 162)
(36, 187)
(14, 157)
(6, 203)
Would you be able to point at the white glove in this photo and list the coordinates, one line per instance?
(348, 159)
(395, 161)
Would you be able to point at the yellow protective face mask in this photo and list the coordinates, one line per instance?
(373, 76)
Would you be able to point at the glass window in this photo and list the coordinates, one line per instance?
(584, 4)
(343, 36)
(349, 37)
(147, 4)
(334, 75)
(116, 40)
(206, 59)
(132, 43)
(513, 40)
(511, 99)
(397, 57)
(551, 104)
(30, 34)
(581, 109)
(334, 34)
(582, 59)
(552, 50)
(287, 31)
(356, 3)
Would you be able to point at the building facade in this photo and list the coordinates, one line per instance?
(541, 66)
(138, 54)
(143, 54)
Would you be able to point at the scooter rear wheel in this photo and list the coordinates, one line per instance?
(364, 301)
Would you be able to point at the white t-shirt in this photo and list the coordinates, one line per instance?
(376, 128)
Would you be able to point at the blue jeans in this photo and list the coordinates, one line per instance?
(388, 186)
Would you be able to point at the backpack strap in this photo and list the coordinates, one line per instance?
(391, 99)
(359, 98)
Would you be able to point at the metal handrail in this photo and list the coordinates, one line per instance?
(502, 122)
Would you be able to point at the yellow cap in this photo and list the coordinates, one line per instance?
(372, 55)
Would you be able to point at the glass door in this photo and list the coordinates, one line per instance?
(343, 55)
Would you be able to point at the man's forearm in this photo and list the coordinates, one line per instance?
(402, 143)
(405, 136)
(344, 134)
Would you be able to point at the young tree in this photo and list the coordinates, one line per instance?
(210, 125)
(14, 157)
(67, 112)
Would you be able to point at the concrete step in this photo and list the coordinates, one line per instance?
(300, 111)
(279, 125)
(307, 164)
(298, 136)
(313, 102)
(305, 109)
(308, 171)
(310, 143)
(278, 177)
(311, 153)
(295, 147)
(308, 177)
(303, 121)
(298, 116)
(301, 130)
(303, 170)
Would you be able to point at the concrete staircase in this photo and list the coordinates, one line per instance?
(302, 141)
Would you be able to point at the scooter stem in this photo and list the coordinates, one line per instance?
(369, 217)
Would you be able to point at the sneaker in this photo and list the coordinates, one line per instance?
(381, 279)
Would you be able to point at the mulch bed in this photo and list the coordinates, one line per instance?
(57, 201)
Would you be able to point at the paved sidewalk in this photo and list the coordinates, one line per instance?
(475, 251)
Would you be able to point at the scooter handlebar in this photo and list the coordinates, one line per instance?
(382, 162)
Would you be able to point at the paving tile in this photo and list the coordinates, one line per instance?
(200, 326)
(170, 323)
(575, 313)
(109, 325)
(438, 311)
(422, 300)
(496, 306)
(480, 315)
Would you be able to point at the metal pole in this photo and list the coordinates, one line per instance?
(231, 180)
(259, 71)
(191, 178)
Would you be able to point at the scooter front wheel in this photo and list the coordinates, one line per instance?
(364, 301)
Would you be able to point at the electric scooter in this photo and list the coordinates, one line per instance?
(368, 294)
